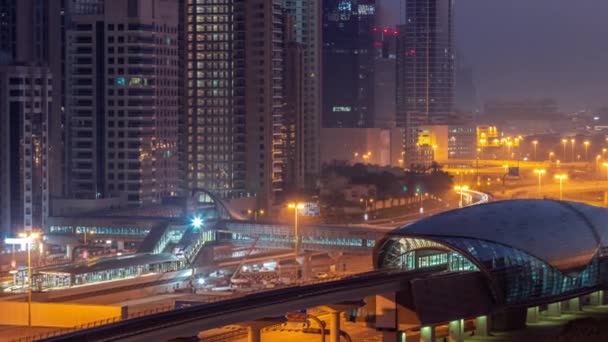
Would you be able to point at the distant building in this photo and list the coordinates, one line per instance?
(385, 77)
(439, 143)
(122, 100)
(465, 93)
(307, 19)
(378, 146)
(425, 71)
(25, 101)
(531, 116)
(32, 32)
(348, 63)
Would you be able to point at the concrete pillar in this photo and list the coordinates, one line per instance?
(254, 333)
(481, 326)
(596, 298)
(574, 304)
(68, 251)
(120, 245)
(306, 268)
(554, 309)
(390, 336)
(334, 326)
(457, 330)
(427, 334)
(532, 315)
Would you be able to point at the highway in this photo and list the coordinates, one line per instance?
(190, 321)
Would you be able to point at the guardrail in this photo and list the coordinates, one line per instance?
(63, 331)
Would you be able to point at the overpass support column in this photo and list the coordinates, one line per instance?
(532, 315)
(574, 304)
(427, 334)
(481, 325)
(394, 336)
(334, 326)
(596, 298)
(457, 330)
(68, 251)
(554, 309)
(120, 245)
(254, 333)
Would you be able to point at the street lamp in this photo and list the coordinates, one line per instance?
(540, 173)
(509, 144)
(551, 155)
(586, 143)
(573, 141)
(256, 213)
(606, 166)
(565, 142)
(561, 178)
(535, 143)
(296, 206)
(30, 238)
(461, 189)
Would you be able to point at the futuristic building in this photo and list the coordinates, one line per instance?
(524, 252)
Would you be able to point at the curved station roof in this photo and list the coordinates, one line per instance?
(565, 235)
(528, 250)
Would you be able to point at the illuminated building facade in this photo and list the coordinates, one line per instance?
(122, 100)
(236, 134)
(307, 17)
(25, 100)
(348, 60)
(425, 70)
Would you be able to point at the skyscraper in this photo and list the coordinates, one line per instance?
(122, 99)
(32, 51)
(307, 17)
(235, 100)
(216, 126)
(348, 63)
(25, 99)
(425, 72)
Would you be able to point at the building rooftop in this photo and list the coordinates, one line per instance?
(565, 235)
(105, 264)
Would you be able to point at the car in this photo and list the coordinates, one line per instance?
(322, 275)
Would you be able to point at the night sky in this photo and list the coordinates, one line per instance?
(532, 48)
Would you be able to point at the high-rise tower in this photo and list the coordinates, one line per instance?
(425, 72)
(348, 63)
(122, 99)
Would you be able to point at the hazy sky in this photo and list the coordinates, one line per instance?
(532, 48)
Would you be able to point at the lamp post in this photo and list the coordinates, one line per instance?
(296, 206)
(535, 143)
(30, 238)
(540, 173)
(573, 141)
(565, 142)
(461, 189)
(586, 143)
(551, 155)
(606, 166)
(561, 179)
(256, 213)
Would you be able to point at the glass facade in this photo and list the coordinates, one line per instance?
(130, 231)
(515, 276)
(522, 277)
